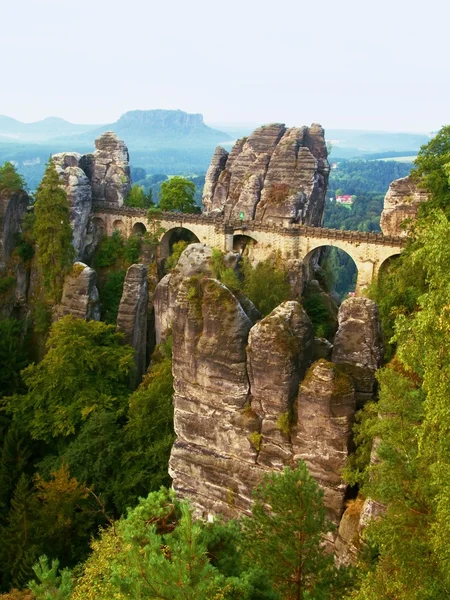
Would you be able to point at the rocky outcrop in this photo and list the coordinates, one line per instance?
(321, 437)
(132, 315)
(79, 194)
(238, 412)
(279, 351)
(195, 260)
(401, 203)
(12, 209)
(108, 169)
(80, 295)
(276, 174)
(213, 460)
(358, 345)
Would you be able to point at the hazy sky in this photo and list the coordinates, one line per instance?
(344, 63)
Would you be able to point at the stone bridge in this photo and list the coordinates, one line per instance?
(294, 242)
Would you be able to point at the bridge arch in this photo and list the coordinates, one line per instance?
(119, 225)
(243, 243)
(174, 235)
(341, 260)
(99, 226)
(139, 229)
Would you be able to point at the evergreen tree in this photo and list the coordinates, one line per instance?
(52, 233)
(284, 535)
(50, 585)
(10, 179)
(18, 550)
(86, 369)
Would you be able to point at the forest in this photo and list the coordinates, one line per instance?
(86, 509)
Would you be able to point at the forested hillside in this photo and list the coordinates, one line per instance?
(83, 455)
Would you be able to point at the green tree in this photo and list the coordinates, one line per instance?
(52, 233)
(18, 549)
(431, 170)
(160, 552)
(137, 197)
(86, 369)
(50, 584)
(10, 179)
(285, 532)
(266, 284)
(178, 194)
(13, 356)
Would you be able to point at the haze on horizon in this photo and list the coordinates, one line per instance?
(345, 64)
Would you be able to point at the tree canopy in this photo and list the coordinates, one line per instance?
(178, 194)
(52, 233)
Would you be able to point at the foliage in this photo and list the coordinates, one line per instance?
(284, 535)
(50, 585)
(178, 194)
(178, 249)
(410, 426)
(138, 198)
(13, 356)
(109, 250)
(111, 291)
(159, 551)
(86, 369)
(266, 284)
(227, 275)
(10, 179)
(6, 283)
(317, 304)
(431, 170)
(52, 233)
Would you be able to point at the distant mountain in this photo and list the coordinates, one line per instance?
(39, 131)
(348, 143)
(155, 129)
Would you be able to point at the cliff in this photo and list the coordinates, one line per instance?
(400, 204)
(247, 400)
(276, 174)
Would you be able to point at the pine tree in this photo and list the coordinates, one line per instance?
(18, 551)
(53, 233)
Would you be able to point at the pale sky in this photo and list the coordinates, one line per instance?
(382, 64)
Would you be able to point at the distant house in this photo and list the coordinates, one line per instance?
(344, 200)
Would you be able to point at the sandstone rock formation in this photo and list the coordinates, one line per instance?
(80, 294)
(279, 351)
(108, 169)
(235, 415)
(212, 459)
(321, 437)
(400, 203)
(12, 209)
(79, 195)
(195, 260)
(358, 345)
(276, 174)
(132, 315)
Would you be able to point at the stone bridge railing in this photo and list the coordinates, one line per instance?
(246, 227)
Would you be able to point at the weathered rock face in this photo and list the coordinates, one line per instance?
(321, 437)
(279, 351)
(358, 345)
(233, 413)
(276, 174)
(400, 203)
(12, 209)
(79, 195)
(212, 451)
(108, 169)
(195, 260)
(132, 315)
(80, 295)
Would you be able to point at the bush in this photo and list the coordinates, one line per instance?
(266, 284)
(110, 295)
